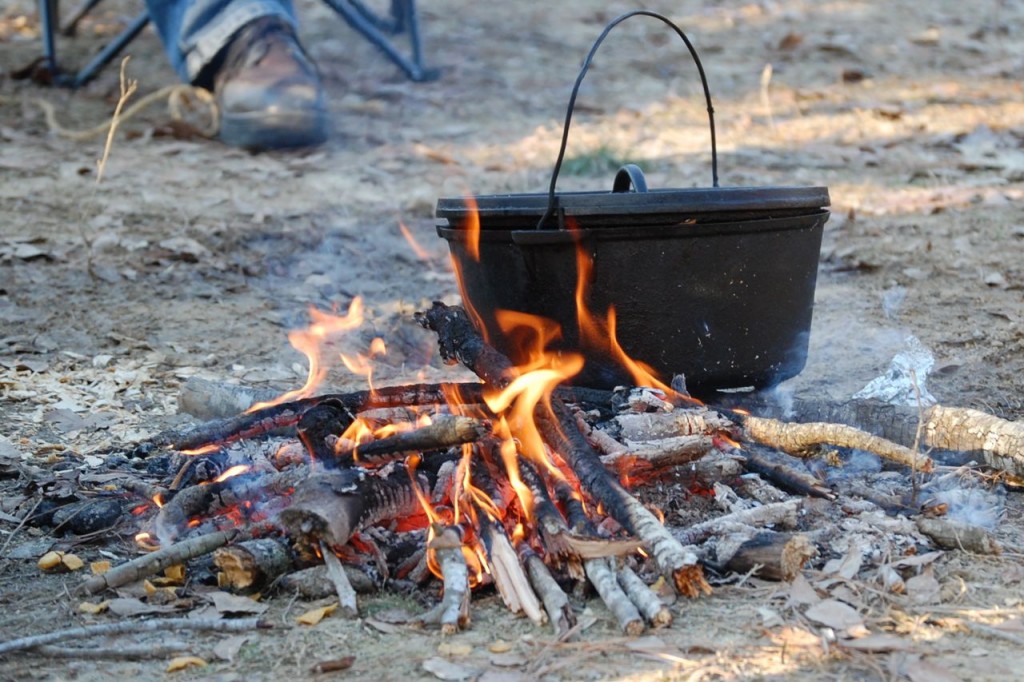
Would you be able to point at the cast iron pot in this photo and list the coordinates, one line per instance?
(716, 284)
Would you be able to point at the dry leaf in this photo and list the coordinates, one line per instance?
(93, 609)
(176, 573)
(834, 614)
(314, 616)
(921, 670)
(227, 648)
(183, 662)
(126, 606)
(924, 588)
(233, 603)
(99, 567)
(802, 592)
(500, 646)
(454, 649)
(382, 627)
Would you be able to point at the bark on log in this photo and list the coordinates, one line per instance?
(556, 603)
(445, 431)
(952, 535)
(154, 562)
(452, 613)
(251, 566)
(654, 612)
(694, 421)
(602, 577)
(800, 439)
(768, 464)
(769, 555)
(998, 442)
(675, 562)
(784, 514)
(333, 505)
(207, 400)
(313, 583)
(460, 342)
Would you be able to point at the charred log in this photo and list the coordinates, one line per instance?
(445, 431)
(251, 566)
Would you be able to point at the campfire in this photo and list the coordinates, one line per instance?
(525, 484)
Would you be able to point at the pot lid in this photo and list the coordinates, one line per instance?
(668, 206)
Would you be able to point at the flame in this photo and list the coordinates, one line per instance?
(232, 472)
(420, 252)
(472, 229)
(324, 328)
(597, 334)
(158, 500)
(203, 450)
(361, 364)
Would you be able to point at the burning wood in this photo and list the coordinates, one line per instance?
(522, 483)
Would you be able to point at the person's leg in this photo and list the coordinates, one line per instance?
(247, 53)
(195, 31)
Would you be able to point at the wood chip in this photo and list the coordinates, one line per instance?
(184, 662)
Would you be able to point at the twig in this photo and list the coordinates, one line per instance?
(656, 613)
(452, 613)
(444, 431)
(132, 626)
(556, 603)
(336, 572)
(799, 439)
(117, 653)
(150, 564)
(602, 577)
(780, 513)
(128, 88)
(21, 524)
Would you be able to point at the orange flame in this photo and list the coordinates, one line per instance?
(420, 252)
(158, 500)
(232, 472)
(311, 341)
(473, 229)
(203, 450)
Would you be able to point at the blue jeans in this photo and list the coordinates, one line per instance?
(194, 31)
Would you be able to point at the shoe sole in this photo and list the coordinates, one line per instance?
(274, 130)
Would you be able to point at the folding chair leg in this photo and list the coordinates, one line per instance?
(111, 50)
(374, 28)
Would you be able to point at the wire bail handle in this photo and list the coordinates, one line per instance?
(552, 198)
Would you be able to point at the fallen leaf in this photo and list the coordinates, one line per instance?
(1011, 625)
(444, 669)
(834, 614)
(916, 560)
(226, 603)
(127, 606)
(393, 616)
(802, 592)
(227, 648)
(454, 649)
(924, 588)
(93, 609)
(183, 662)
(314, 616)
(500, 646)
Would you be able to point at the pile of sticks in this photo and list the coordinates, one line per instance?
(451, 500)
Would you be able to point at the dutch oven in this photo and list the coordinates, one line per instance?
(716, 284)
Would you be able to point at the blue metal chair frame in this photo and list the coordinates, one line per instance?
(378, 29)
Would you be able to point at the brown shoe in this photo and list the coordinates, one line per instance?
(268, 90)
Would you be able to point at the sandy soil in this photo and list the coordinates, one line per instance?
(193, 259)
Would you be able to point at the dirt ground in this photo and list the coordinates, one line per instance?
(192, 259)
